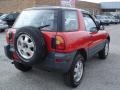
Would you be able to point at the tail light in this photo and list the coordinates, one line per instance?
(60, 43)
(9, 36)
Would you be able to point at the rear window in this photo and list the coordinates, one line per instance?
(37, 18)
(70, 20)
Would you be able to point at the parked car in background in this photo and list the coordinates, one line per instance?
(118, 18)
(110, 19)
(113, 20)
(103, 19)
(7, 20)
(3, 23)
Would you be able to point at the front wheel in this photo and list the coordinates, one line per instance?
(74, 76)
(22, 67)
(105, 51)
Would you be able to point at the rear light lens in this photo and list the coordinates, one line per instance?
(9, 36)
(60, 43)
(59, 60)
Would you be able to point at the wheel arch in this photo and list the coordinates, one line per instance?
(83, 52)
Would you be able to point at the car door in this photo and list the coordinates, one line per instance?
(95, 35)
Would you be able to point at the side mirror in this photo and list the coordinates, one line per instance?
(99, 26)
(102, 27)
(94, 29)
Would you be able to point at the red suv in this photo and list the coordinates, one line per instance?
(56, 39)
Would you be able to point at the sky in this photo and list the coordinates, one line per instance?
(98, 1)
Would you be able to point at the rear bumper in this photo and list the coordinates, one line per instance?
(60, 62)
(8, 53)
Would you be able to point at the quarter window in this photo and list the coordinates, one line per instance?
(70, 21)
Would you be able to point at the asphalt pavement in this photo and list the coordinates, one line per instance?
(98, 74)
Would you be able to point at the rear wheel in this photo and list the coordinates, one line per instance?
(22, 67)
(74, 76)
(105, 51)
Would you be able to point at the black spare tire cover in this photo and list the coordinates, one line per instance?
(36, 37)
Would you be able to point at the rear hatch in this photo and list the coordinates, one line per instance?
(49, 18)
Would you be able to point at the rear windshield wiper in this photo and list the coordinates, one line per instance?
(43, 26)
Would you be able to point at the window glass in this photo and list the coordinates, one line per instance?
(89, 23)
(71, 20)
(37, 18)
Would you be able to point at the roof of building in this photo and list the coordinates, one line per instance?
(110, 5)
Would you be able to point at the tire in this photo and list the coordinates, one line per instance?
(104, 52)
(69, 76)
(30, 54)
(22, 67)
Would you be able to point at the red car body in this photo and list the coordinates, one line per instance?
(63, 46)
(88, 43)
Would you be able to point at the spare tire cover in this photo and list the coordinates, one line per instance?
(30, 45)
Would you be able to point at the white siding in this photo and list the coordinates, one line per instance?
(110, 5)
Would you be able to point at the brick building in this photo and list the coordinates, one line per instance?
(94, 8)
(18, 5)
(15, 5)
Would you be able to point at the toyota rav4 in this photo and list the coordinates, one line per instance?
(56, 39)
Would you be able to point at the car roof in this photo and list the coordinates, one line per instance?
(50, 7)
(55, 7)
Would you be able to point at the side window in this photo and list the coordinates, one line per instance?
(89, 23)
(70, 20)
